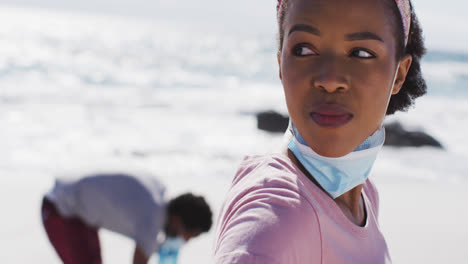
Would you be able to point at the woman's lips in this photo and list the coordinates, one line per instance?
(331, 115)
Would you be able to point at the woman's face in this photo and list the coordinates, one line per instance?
(338, 67)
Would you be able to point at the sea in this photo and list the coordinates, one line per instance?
(83, 92)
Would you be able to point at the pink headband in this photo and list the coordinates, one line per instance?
(403, 6)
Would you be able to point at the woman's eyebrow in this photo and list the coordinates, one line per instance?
(305, 28)
(363, 36)
(350, 37)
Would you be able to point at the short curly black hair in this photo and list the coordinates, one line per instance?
(414, 85)
(193, 210)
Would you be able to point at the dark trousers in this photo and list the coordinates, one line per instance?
(74, 241)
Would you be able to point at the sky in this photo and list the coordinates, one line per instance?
(444, 24)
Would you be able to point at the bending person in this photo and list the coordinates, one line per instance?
(73, 211)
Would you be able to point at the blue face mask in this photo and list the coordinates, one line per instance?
(338, 175)
(169, 250)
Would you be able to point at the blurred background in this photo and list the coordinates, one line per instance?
(172, 87)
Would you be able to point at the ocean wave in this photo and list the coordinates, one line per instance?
(96, 52)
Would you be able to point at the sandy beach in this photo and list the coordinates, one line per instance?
(422, 222)
(425, 222)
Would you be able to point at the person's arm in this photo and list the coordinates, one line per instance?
(139, 257)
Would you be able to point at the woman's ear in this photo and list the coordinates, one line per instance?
(278, 56)
(402, 71)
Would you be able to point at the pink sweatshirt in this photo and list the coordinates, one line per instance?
(274, 214)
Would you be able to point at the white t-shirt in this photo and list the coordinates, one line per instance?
(133, 207)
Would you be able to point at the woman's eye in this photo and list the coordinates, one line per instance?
(362, 53)
(302, 51)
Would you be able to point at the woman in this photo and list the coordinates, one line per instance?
(344, 66)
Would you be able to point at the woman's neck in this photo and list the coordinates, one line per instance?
(350, 203)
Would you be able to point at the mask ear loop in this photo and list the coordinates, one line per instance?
(288, 135)
(393, 87)
(394, 80)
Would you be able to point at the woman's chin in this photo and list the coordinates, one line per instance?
(333, 142)
(333, 150)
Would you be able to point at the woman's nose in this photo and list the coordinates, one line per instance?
(331, 76)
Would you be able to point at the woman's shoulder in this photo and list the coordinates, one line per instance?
(275, 170)
(276, 177)
(273, 161)
(264, 206)
(272, 177)
(266, 170)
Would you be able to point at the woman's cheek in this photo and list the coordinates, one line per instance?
(296, 75)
